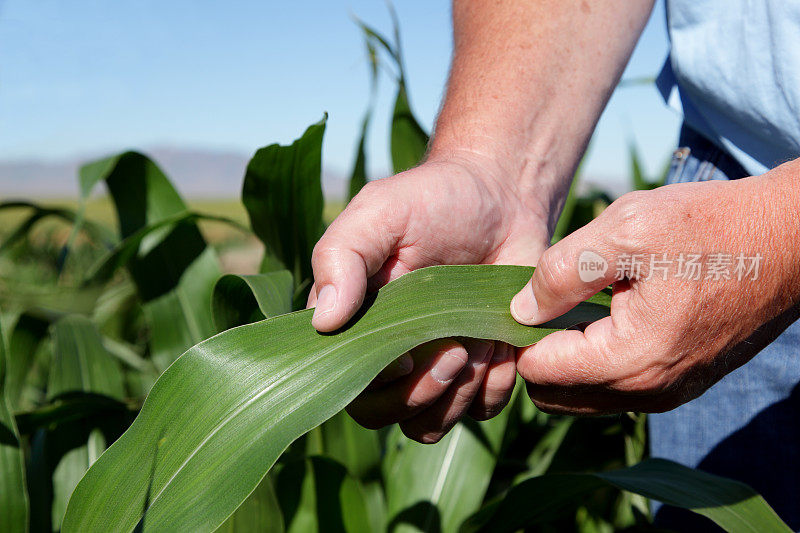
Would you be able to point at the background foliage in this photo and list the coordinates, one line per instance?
(91, 317)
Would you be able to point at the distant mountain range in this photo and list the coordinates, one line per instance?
(196, 173)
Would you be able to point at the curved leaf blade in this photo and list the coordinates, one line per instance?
(173, 268)
(409, 142)
(282, 193)
(242, 299)
(265, 384)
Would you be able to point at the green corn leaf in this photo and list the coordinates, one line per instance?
(282, 193)
(263, 385)
(409, 142)
(317, 494)
(70, 470)
(125, 252)
(24, 342)
(239, 300)
(260, 513)
(14, 500)
(640, 182)
(80, 364)
(49, 299)
(95, 231)
(374, 38)
(357, 448)
(173, 268)
(435, 488)
(541, 457)
(70, 407)
(128, 355)
(732, 505)
(358, 177)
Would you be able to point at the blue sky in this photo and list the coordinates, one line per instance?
(87, 77)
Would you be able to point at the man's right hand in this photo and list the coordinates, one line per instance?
(462, 210)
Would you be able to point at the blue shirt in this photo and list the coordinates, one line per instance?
(734, 73)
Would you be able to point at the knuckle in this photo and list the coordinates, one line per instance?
(631, 219)
(323, 251)
(552, 270)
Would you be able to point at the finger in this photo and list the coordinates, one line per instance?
(433, 423)
(402, 366)
(352, 249)
(392, 269)
(572, 357)
(436, 365)
(498, 384)
(569, 272)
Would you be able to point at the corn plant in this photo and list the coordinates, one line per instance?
(151, 391)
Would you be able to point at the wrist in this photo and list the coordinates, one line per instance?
(533, 175)
(503, 181)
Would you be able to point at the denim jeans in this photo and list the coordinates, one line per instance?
(747, 426)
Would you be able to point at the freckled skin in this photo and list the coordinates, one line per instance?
(667, 341)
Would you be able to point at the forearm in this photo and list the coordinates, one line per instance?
(528, 82)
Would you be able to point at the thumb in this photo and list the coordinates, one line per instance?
(568, 273)
(353, 248)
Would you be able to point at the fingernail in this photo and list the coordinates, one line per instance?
(402, 366)
(524, 307)
(326, 300)
(447, 368)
